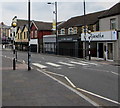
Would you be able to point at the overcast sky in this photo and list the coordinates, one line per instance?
(41, 11)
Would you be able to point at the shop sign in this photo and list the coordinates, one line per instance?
(67, 39)
(33, 41)
(100, 36)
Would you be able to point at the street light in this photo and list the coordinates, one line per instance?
(55, 12)
(85, 29)
(29, 55)
(14, 24)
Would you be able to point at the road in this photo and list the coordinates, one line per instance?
(96, 79)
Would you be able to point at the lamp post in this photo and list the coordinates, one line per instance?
(29, 55)
(14, 24)
(55, 12)
(85, 30)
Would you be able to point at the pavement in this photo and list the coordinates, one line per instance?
(21, 87)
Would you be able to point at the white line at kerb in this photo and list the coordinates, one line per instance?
(114, 73)
(99, 96)
(70, 88)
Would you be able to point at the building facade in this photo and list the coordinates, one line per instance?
(105, 42)
(38, 30)
(69, 38)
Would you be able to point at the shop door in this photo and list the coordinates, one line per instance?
(110, 51)
(100, 50)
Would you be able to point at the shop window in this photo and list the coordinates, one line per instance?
(112, 23)
(118, 35)
(70, 30)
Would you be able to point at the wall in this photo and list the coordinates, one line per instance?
(104, 23)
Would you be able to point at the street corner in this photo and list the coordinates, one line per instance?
(21, 66)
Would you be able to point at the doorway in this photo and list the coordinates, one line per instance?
(100, 50)
(110, 51)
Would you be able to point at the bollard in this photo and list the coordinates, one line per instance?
(14, 64)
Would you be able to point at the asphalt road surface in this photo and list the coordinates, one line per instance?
(92, 77)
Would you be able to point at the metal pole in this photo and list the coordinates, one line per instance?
(85, 30)
(14, 62)
(56, 28)
(29, 55)
(89, 49)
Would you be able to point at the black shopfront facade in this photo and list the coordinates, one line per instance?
(70, 45)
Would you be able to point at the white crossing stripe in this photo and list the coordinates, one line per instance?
(68, 64)
(39, 65)
(89, 63)
(78, 63)
(53, 64)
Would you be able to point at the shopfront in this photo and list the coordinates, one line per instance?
(69, 45)
(104, 43)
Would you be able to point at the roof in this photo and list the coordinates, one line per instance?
(91, 18)
(21, 22)
(115, 10)
(20, 27)
(43, 25)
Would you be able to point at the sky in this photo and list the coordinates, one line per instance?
(41, 11)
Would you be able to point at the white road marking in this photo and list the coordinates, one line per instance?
(53, 64)
(55, 74)
(39, 65)
(72, 89)
(68, 64)
(78, 63)
(70, 82)
(99, 96)
(89, 63)
(114, 73)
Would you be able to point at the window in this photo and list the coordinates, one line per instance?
(31, 34)
(113, 23)
(24, 35)
(62, 31)
(75, 30)
(70, 30)
(18, 35)
(35, 33)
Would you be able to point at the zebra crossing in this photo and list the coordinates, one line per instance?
(60, 64)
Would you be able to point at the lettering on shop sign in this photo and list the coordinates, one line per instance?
(65, 39)
(97, 36)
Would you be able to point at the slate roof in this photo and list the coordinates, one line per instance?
(43, 25)
(91, 18)
(21, 22)
(114, 10)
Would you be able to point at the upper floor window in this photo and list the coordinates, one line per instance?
(62, 31)
(24, 35)
(70, 30)
(35, 33)
(75, 30)
(31, 34)
(113, 23)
